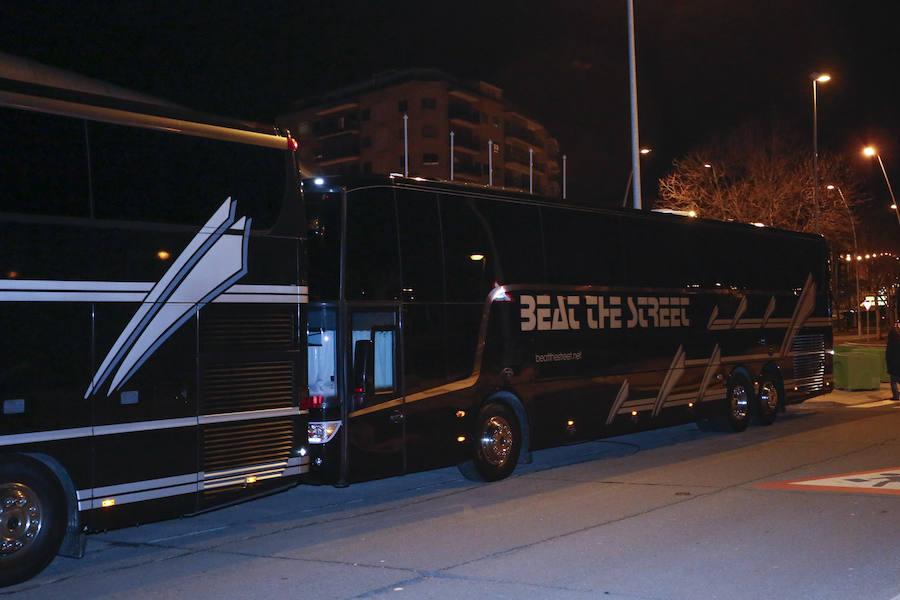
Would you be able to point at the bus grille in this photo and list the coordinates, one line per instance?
(809, 362)
(230, 387)
(247, 330)
(233, 445)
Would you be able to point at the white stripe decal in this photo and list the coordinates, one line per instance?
(118, 428)
(249, 415)
(676, 370)
(41, 290)
(620, 399)
(151, 489)
(45, 436)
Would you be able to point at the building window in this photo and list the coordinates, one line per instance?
(365, 114)
(429, 103)
(429, 131)
(367, 168)
(403, 106)
(429, 158)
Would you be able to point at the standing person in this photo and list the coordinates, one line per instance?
(892, 356)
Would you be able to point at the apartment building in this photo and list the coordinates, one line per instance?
(425, 123)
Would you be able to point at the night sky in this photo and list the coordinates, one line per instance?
(703, 65)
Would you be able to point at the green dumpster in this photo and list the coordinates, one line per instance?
(858, 367)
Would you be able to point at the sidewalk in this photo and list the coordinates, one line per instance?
(863, 340)
(860, 399)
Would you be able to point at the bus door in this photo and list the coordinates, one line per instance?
(376, 416)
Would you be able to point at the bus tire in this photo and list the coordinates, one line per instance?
(768, 400)
(496, 444)
(739, 401)
(32, 520)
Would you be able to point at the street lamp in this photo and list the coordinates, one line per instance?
(817, 78)
(643, 152)
(871, 151)
(855, 250)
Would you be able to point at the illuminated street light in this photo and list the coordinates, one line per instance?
(816, 79)
(871, 151)
(643, 152)
(855, 249)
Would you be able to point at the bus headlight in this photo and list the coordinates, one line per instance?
(321, 432)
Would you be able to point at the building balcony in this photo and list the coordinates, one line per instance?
(463, 113)
(465, 139)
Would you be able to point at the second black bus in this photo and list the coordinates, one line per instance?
(457, 325)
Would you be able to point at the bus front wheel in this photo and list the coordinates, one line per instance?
(496, 444)
(32, 521)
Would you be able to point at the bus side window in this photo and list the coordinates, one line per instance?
(373, 267)
(44, 166)
(661, 264)
(517, 235)
(471, 263)
(421, 253)
(583, 248)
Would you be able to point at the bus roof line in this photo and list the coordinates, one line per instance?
(134, 119)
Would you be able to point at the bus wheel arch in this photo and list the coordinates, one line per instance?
(499, 435)
(33, 517)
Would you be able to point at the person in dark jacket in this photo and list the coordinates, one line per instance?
(892, 356)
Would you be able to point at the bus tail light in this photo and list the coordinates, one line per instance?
(322, 432)
(307, 402)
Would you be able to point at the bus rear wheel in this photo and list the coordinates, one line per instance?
(32, 521)
(767, 401)
(740, 401)
(496, 444)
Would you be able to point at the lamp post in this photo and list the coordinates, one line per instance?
(643, 152)
(855, 253)
(871, 151)
(817, 78)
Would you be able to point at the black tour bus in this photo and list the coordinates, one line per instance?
(159, 355)
(151, 361)
(454, 324)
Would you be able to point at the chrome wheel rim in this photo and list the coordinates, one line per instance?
(768, 397)
(496, 441)
(20, 518)
(740, 403)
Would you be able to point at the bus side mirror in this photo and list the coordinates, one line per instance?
(364, 368)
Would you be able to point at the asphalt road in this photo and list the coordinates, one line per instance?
(669, 514)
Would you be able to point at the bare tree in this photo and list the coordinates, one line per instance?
(763, 174)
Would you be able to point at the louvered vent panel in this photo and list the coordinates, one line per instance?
(233, 445)
(246, 330)
(233, 387)
(809, 362)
